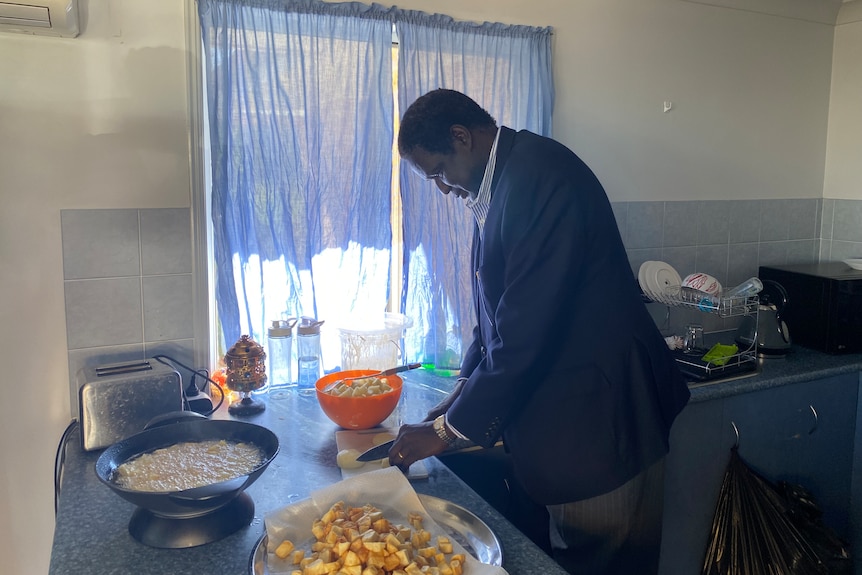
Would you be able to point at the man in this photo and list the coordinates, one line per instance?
(566, 364)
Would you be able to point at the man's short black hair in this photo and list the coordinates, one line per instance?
(427, 121)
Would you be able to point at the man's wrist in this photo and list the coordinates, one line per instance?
(443, 431)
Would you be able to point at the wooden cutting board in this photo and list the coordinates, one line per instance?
(362, 440)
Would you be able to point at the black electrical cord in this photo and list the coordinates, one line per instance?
(201, 372)
(60, 463)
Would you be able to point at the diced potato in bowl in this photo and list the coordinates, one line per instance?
(359, 403)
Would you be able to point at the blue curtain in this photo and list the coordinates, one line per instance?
(507, 70)
(301, 118)
(301, 114)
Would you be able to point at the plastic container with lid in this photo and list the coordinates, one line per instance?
(373, 342)
(279, 338)
(308, 354)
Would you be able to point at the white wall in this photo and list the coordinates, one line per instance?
(844, 144)
(750, 93)
(100, 121)
(97, 121)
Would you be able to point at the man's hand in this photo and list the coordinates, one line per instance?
(415, 442)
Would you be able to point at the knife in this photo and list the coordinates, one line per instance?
(377, 452)
(384, 373)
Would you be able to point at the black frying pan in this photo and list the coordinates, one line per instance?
(199, 500)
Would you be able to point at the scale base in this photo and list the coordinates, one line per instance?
(183, 532)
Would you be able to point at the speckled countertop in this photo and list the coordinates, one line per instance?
(91, 535)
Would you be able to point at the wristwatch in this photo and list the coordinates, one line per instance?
(442, 432)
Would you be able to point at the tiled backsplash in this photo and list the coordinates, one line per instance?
(731, 239)
(128, 287)
(129, 274)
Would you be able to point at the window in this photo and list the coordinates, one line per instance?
(307, 216)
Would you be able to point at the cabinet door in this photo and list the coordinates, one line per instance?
(779, 437)
(693, 472)
(804, 434)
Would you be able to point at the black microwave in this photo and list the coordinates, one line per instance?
(824, 304)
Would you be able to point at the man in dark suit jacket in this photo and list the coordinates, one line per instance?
(566, 364)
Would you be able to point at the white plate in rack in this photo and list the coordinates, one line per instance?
(664, 277)
(642, 271)
(658, 277)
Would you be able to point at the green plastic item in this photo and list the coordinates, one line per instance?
(720, 353)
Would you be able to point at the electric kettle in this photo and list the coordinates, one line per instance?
(767, 327)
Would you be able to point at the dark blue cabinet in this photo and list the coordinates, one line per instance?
(801, 433)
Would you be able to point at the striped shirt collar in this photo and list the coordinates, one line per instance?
(480, 205)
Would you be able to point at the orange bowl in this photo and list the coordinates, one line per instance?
(358, 412)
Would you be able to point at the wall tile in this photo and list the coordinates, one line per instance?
(847, 221)
(825, 250)
(645, 224)
(639, 256)
(166, 245)
(182, 350)
(845, 250)
(683, 259)
(772, 254)
(742, 263)
(168, 312)
(774, 220)
(103, 312)
(826, 218)
(819, 219)
(712, 260)
(713, 219)
(802, 251)
(802, 219)
(621, 210)
(744, 221)
(100, 243)
(680, 224)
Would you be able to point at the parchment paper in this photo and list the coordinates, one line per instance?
(387, 489)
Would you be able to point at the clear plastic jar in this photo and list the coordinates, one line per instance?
(280, 352)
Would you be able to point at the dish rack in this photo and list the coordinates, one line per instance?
(744, 360)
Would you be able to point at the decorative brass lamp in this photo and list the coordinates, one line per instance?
(245, 372)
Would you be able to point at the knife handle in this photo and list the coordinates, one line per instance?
(400, 368)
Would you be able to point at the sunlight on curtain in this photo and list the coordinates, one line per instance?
(301, 130)
(507, 70)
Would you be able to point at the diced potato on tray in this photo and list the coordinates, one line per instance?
(362, 541)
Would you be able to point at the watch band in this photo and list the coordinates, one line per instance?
(442, 432)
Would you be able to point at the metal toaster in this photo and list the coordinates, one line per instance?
(116, 401)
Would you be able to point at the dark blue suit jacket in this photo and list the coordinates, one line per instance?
(566, 365)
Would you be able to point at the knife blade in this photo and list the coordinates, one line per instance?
(377, 452)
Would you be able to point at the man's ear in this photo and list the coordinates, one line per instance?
(460, 135)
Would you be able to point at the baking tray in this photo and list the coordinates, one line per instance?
(462, 525)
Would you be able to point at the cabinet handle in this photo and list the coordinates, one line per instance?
(814, 413)
(736, 432)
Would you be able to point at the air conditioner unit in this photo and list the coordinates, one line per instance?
(43, 17)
